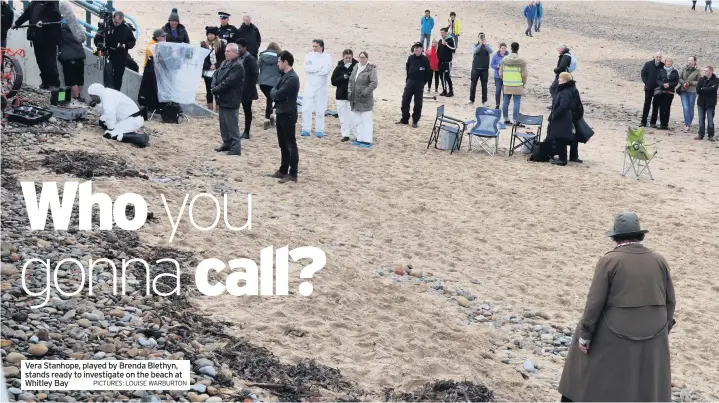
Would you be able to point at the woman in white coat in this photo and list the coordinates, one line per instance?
(362, 84)
(318, 66)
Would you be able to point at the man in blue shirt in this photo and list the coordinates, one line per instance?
(530, 13)
(425, 31)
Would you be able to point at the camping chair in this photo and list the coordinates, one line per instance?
(487, 129)
(637, 152)
(524, 137)
(452, 125)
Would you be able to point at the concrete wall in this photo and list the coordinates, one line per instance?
(93, 74)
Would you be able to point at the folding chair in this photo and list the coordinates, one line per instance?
(487, 129)
(449, 124)
(638, 153)
(523, 137)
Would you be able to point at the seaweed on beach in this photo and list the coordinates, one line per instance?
(446, 391)
(88, 165)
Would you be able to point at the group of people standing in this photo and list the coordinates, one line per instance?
(533, 13)
(695, 86)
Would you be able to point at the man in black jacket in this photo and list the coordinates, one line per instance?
(249, 90)
(565, 59)
(118, 40)
(706, 102)
(226, 30)
(418, 74)
(445, 51)
(45, 38)
(650, 73)
(227, 83)
(249, 32)
(6, 23)
(480, 68)
(284, 93)
(341, 79)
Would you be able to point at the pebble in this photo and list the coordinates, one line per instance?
(462, 301)
(27, 396)
(10, 372)
(203, 362)
(14, 358)
(41, 396)
(199, 388)
(34, 339)
(84, 322)
(99, 355)
(8, 269)
(528, 366)
(211, 371)
(37, 350)
(14, 391)
(108, 348)
(214, 399)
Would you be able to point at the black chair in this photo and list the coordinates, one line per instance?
(522, 134)
(449, 124)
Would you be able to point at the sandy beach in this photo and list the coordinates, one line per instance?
(519, 237)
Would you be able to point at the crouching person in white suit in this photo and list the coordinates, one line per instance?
(119, 115)
(318, 66)
(363, 82)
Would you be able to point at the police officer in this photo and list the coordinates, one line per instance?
(118, 40)
(418, 74)
(227, 31)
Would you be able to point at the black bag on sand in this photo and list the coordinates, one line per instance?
(582, 131)
(171, 113)
(541, 151)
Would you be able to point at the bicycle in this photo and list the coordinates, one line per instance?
(11, 74)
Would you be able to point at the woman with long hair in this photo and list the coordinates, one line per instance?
(269, 74)
(212, 61)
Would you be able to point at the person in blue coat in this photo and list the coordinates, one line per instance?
(530, 13)
(538, 17)
(426, 25)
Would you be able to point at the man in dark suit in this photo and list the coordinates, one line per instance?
(249, 90)
(227, 83)
(249, 32)
(650, 72)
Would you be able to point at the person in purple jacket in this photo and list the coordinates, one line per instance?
(495, 63)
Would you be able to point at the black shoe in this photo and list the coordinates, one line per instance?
(345, 139)
(222, 149)
(401, 122)
(450, 94)
(443, 94)
(642, 125)
(245, 136)
(44, 86)
(497, 107)
(653, 125)
(559, 162)
(663, 127)
(414, 125)
(576, 160)
(234, 152)
(288, 178)
(507, 122)
(278, 175)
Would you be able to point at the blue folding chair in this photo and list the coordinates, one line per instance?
(523, 137)
(486, 129)
(443, 122)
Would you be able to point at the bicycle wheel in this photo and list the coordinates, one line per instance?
(11, 77)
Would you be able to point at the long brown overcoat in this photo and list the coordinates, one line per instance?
(360, 89)
(627, 317)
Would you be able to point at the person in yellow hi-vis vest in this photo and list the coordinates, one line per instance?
(453, 27)
(513, 71)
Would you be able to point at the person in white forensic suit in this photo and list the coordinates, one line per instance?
(318, 66)
(118, 113)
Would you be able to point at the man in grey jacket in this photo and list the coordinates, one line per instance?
(227, 84)
(480, 68)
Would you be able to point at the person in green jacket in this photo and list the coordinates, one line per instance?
(688, 77)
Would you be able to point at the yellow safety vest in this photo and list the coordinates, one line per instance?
(512, 76)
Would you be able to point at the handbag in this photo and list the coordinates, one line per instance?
(208, 73)
(582, 131)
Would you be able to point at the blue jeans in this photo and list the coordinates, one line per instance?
(425, 40)
(688, 101)
(505, 106)
(706, 118)
(537, 23)
(498, 84)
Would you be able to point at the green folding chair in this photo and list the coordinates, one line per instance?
(637, 154)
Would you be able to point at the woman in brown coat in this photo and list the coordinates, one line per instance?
(620, 350)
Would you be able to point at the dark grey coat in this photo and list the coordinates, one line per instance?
(360, 91)
(627, 318)
(561, 120)
(269, 72)
(227, 83)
